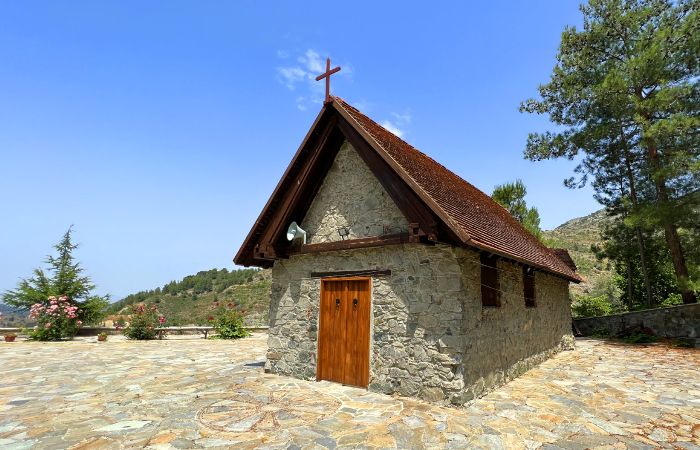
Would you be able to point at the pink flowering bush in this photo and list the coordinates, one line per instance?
(144, 323)
(56, 320)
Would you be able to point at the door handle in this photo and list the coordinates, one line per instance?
(337, 303)
(354, 303)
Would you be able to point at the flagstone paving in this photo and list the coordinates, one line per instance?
(196, 393)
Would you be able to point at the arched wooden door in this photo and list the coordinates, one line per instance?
(343, 339)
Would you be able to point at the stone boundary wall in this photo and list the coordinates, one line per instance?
(94, 331)
(681, 321)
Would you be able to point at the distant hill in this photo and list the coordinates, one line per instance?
(12, 317)
(577, 235)
(191, 300)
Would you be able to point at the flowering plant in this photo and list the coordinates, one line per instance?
(144, 323)
(56, 320)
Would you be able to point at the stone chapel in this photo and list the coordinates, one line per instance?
(400, 276)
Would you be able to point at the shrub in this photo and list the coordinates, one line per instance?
(642, 336)
(591, 306)
(228, 324)
(600, 332)
(144, 323)
(672, 300)
(56, 320)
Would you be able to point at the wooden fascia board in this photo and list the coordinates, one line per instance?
(456, 229)
(291, 197)
(247, 246)
(487, 248)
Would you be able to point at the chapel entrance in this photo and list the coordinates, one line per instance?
(343, 340)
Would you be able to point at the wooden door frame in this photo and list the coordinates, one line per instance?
(368, 279)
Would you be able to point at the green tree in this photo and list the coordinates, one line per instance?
(631, 74)
(64, 276)
(512, 197)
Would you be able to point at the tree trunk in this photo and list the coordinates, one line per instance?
(670, 229)
(643, 264)
(637, 229)
(630, 286)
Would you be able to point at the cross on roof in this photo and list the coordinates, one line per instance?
(327, 75)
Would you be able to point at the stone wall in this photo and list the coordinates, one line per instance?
(681, 321)
(430, 336)
(351, 196)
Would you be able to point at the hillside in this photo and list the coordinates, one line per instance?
(12, 317)
(191, 300)
(577, 235)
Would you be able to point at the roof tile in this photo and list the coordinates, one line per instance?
(489, 225)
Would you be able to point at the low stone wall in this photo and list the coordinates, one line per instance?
(94, 331)
(681, 321)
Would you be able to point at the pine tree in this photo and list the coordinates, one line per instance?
(512, 197)
(633, 67)
(64, 276)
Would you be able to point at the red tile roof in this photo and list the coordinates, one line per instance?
(483, 222)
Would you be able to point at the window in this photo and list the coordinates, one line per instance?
(529, 286)
(490, 294)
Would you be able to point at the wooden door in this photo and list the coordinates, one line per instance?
(343, 340)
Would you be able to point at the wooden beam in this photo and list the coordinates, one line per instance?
(374, 241)
(351, 273)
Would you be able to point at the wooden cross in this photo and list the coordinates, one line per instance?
(327, 75)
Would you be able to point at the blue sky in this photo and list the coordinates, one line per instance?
(159, 129)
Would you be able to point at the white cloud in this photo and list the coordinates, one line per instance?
(290, 76)
(302, 76)
(398, 124)
(393, 128)
(402, 118)
(312, 61)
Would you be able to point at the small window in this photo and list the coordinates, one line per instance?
(490, 290)
(529, 286)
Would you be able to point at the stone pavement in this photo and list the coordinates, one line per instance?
(191, 393)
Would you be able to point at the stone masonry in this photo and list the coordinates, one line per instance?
(351, 197)
(430, 336)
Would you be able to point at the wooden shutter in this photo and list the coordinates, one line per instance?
(529, 286)
(490, 289)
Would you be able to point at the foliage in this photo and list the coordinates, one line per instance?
(144, 323)
(512, 197)
(102, 336)
(600, 333)
(672, 300)
(54, 321)
(585, 306)
(228, 324)
(638, 335)
(247, 289)
(620, 246)
(625, 95)
(63, 278)
(206, 281)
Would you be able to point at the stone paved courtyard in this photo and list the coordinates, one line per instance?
(191, 393)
